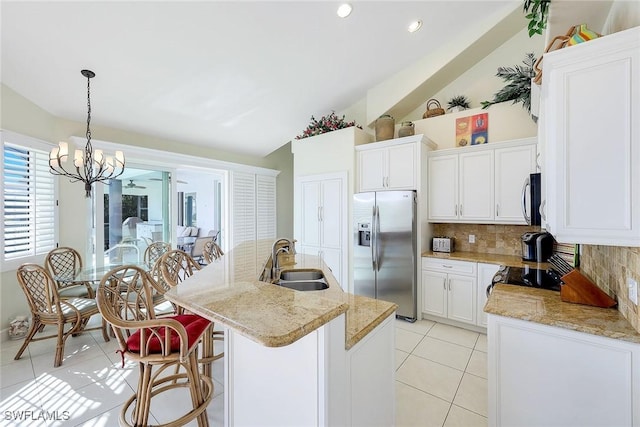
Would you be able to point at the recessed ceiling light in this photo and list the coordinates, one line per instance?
(344, 10)
(415, 26)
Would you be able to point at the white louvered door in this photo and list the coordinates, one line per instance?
(253, 217)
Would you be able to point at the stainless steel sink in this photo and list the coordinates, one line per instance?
(303, 285)
(303, 279)
(301, 274)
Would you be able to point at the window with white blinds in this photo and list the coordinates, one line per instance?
(28, 201)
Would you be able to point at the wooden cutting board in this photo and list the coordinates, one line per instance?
(578, 289)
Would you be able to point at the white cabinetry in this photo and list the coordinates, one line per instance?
(320, 212)
(592, 140)
(485, 277)
(551, 376)
(449, 289)
(388, 165)
(481, 183)
(475, 201)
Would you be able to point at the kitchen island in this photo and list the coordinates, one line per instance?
(558, 363)
(296, 358)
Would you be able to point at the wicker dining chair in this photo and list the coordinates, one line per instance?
(212, 252)
(125, 300)
(68, 315)
(175, 266)
(65, 261)
(154, 251)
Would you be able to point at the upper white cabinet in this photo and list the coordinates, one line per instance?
(475, 201)
(591, 131)
(389, 165)
(481, 183)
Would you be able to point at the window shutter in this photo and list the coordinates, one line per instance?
(29, 198)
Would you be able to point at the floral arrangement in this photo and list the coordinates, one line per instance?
(326, 124)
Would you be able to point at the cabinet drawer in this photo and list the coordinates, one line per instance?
(449, 266)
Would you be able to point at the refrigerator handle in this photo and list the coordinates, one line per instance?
(527, 218)
(377, 236)
(374, 239)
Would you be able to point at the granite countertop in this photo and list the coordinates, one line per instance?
(508, 260)
(546, 307)
(228, 291)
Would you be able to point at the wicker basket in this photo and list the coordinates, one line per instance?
(433, 109)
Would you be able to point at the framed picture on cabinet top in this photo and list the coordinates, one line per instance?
(472, 130)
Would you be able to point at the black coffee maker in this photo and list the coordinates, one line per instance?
(537, 246)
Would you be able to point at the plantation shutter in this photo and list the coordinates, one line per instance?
(29, 199)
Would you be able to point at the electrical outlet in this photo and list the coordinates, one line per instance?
(633, 290)
(472, 238)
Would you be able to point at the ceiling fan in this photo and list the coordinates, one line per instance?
(132, 185)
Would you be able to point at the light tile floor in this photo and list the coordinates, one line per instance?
(441, 376)
(441, 381)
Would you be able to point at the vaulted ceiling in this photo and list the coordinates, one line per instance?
(239, 76)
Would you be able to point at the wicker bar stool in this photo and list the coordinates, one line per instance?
(175, 266)
(125, 300)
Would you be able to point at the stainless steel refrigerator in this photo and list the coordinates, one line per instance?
(384, 256)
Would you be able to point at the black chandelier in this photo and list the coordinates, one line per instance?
(91, 165)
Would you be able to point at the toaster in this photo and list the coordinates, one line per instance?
(443, 244)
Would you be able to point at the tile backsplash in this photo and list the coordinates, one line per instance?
(490, 239)
(608, 267)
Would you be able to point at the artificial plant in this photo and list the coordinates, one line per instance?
(537, 12)
(519, 87)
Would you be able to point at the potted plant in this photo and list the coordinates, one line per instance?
(458, 103)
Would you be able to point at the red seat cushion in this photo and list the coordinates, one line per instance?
(193, 324)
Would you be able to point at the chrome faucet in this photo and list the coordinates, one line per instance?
(289, 249)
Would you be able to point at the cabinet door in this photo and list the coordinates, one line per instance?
(331, 213)
(310, 213)
(592, 133)
(513, 165)
(443, 187)
(461, 300)
(587, 373)
(402, 167)
(476, 186)
(434, 293)
(372, 169)
(485, 276)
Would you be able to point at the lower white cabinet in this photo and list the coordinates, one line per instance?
(449, 289)
(542, 375)
(485, 276)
